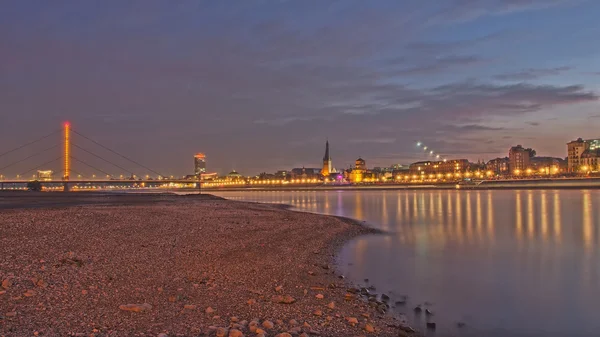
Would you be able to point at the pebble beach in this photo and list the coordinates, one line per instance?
(166, 265)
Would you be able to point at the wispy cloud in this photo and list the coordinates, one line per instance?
(532, 74)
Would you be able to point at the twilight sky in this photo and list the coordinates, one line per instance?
(259, 85)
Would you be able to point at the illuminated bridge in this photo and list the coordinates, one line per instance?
(91, 156)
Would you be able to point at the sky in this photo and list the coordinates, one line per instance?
(260, 85)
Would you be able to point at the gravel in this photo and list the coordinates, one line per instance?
(176, 266)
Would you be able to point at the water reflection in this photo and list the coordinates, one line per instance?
(521, 262)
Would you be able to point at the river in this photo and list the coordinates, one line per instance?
(520, 263)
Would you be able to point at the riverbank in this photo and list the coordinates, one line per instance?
(178, 265)
(535, 183)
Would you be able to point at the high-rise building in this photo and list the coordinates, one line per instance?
(519, 159)
(327, 168)
(199, 164)
(576, 150)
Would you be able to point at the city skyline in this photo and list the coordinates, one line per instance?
(260, 86)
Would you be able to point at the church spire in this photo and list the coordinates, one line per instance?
(327, 168)
(327, 157)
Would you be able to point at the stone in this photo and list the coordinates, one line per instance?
(293, 322)
(136, 307)
(251, 301)
(260, 331)
(11, 314)
(278, 289)
(287, 299)
(283, 334)
(304, 334)
(260, 335)
(162, 334)
(189, 307)
(279, 322)
(221, 332)
(365, 314)
(2, 292)
(29, 293)
(318, 313)
(235, 333)
(311, 273)
(369, 328)
(349, 297)
(234, 319)
(41, 283)
(329, 318)
(267, 325)
(6, 283)
(172, 299)
(209, 310)
(320, 296)
(385, 297)
(331, 305)
(352, 320)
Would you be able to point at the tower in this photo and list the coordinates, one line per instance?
(66, 151)
(326, 161)
(199, 164)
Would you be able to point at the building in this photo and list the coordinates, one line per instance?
(589, 161)
(199, 163)
(439, 167)
(234, 175)
(547, 165)
(306, 173)
(498, 165)
(519, 159)
(360, 164)
(576, 149)
(360, 173)
(45, 175)
(327, 168)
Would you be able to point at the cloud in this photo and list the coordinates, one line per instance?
(373, 140)
(211, 77)
(468, 10)
(532, 74)
(471, 127)
(441, 64)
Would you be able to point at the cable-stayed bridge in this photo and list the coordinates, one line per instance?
(67, 159)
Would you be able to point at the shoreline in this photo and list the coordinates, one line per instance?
(71, 268)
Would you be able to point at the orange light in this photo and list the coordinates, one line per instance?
(67, 151)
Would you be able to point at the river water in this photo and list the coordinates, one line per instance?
(520, 263)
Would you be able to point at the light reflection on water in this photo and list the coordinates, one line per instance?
(507, 263)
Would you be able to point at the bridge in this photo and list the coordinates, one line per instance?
(71, 176)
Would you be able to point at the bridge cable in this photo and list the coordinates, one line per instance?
(33, 142)
(24, 159)
(115, 152)
(88, 165)
(37, 167)
(106, 160)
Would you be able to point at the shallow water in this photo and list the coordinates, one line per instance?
(506, 263)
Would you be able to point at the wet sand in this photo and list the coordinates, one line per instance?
(71, 264)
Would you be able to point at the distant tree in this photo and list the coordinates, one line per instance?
(34, 186)
(532, 152)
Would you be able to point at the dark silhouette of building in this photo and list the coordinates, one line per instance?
(199, 164)
(327, 168)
